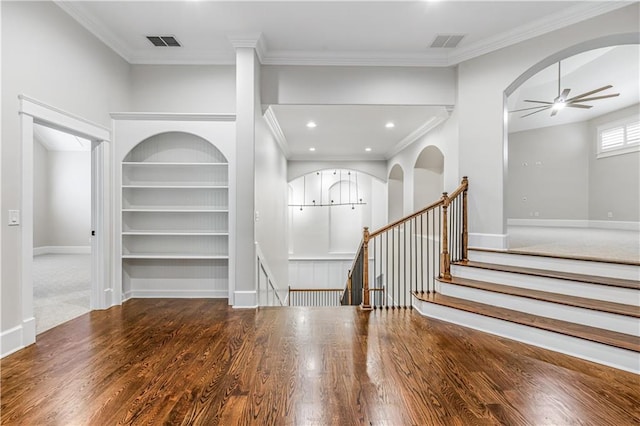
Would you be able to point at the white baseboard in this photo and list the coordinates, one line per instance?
(11, 341)
(18, 337)
(61, 250)
(245, 299)
(615, 224)
(488, 241)
(577, 223)
(175, 294)
(550, 223)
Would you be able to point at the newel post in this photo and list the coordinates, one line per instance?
(445, 257)
(465, 231)
(366, 304)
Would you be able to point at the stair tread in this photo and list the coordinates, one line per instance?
(563, 299)
(590, 279)
(558, 256)
(610, 338)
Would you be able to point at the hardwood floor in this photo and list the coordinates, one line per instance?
(199, 362)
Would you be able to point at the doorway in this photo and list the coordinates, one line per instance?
(34, 113)
(61, 227)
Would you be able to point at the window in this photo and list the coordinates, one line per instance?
(619, 137)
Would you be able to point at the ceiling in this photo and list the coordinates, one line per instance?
(334, 32)
(303, 32)
(55, 140)
(617, 66)
(343, 132)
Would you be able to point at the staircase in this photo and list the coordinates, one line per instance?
(588, 309)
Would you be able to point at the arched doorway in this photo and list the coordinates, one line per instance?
(395, 188)
(428, 177)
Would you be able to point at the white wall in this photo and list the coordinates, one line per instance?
(548, 175)
(445, 138)
(481, 85)
(70, 198)
(341, 85)
(80, 75)
(183, 88)
(271, 199)
(614, 182)
(325, 239)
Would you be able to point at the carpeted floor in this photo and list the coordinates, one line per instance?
(61, 288)
(606, 244)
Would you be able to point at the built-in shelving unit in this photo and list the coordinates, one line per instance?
(175, 217)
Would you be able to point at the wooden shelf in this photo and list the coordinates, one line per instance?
(151, 163)
(176, 210)
(177, 232)
(188, 186)
(173, 256)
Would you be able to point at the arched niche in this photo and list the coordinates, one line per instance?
(395, 191)
(428, 177)
(175, 218)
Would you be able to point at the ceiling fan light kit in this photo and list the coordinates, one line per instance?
(561, 101)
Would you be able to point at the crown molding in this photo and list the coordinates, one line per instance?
(284, 57)
(412, 137)
(75, 10)
(188, 57)
(162, 116)
(253, 40)
(443, 58)
(562, 19)
(276, 130)
(344, 158)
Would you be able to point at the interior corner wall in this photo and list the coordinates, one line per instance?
(614, 182)
(183, 88)
(480, 103)
(81, 76)
(272, 193)
(549, 173)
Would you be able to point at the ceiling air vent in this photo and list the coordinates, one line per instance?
(447, 40)
(164, 41)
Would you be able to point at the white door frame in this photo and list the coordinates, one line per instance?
(35, 112)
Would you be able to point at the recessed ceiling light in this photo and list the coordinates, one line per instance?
(390, 125)
(312, 149)
(367, 149)
(311, 124)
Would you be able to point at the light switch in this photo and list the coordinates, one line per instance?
(14, 217)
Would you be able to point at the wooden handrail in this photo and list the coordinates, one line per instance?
(445, 256)
(464, 185)
(405, 219)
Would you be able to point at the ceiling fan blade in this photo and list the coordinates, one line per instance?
(590, 93)
(595, 98)
(578, 106)
(564, 93)
(527, 109)
(535, 112)
(539, 102)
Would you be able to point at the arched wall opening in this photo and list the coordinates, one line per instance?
(328, 210)
(554, 175)
(428, 177)
(395, 193)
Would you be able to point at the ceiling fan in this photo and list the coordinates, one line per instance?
(562, 101)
